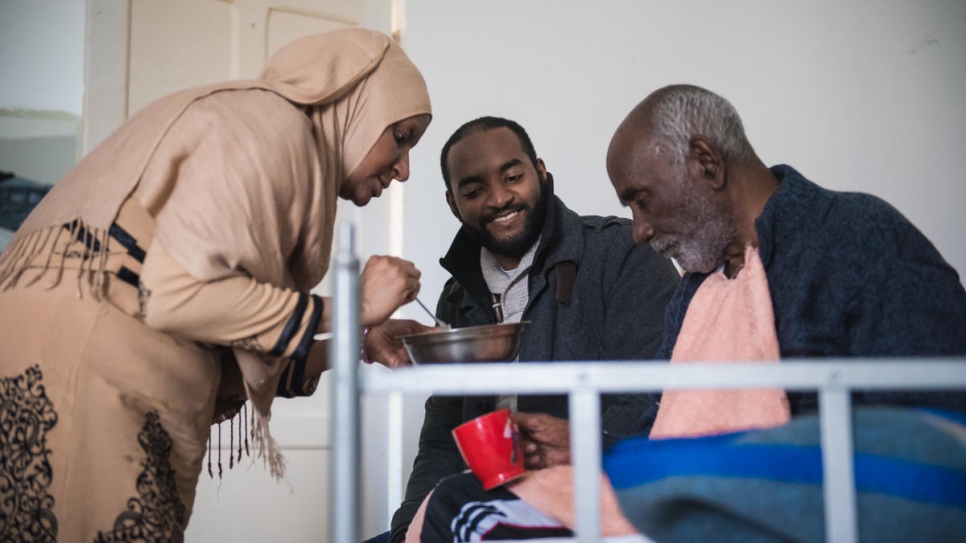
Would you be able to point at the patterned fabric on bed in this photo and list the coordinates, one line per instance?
(766, 486)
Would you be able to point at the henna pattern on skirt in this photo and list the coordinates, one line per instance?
(26, 415)
(157, 514)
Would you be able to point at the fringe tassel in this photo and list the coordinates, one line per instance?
(241, 422)
(71, 232)
(101, 287)
(231, 443)
(245, 418)
(242, 416)
(26, 254)
(95, 277)
(93, 251)
(50, 254)
(211, 474)
(267, 447)
(80, 271)
(12, 265)
(220, 471)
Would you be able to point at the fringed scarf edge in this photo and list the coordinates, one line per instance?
(23, 255)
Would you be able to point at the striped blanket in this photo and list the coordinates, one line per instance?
(766, 485)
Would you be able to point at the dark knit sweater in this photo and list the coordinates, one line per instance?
(849, 276)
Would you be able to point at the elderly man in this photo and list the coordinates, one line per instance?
(778, 267)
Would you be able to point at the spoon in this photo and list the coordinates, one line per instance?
(439, 322)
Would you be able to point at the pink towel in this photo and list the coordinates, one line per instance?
(728, 320)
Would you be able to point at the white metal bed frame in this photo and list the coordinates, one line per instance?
(584, 382)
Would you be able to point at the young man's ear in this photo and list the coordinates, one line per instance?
(705, 162)
(452, 205)
(541, 170)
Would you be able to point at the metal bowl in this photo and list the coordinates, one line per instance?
(488, 343)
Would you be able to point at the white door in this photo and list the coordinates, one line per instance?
(140, 50)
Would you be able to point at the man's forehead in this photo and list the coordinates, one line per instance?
(500, 136)
(485, 150)
(631, 150)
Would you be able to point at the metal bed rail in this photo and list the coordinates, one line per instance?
(584, 382)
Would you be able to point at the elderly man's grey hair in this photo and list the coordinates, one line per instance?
(680, 112)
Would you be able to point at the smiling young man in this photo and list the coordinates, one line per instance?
(499, 193)
(588, 291)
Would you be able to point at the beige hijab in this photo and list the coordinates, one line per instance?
(229, 206)
(353, 84)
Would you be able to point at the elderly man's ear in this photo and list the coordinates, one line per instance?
(705, 162)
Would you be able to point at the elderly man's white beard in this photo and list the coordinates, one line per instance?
(709, 230)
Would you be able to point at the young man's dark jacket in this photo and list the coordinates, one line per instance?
(594, 295)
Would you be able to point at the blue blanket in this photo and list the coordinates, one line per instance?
(766, 485)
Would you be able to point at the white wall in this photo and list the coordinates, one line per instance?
(42, 87)
(863, 95)
(42, 55)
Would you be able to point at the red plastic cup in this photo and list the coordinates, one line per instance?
(490, 444)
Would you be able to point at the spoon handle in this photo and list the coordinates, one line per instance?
(439, 323)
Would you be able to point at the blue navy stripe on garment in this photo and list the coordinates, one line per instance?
(292, 326)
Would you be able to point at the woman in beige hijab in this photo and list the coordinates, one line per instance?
(165, 281)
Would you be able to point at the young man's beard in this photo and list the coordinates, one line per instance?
(518, 245)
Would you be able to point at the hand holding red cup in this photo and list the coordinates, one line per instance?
(490, 444)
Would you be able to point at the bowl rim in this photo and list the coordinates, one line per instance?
(468, 332)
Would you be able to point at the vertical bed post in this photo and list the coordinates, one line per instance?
(585, 450)
(394, 453)
(838, 478)
(344, 357)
